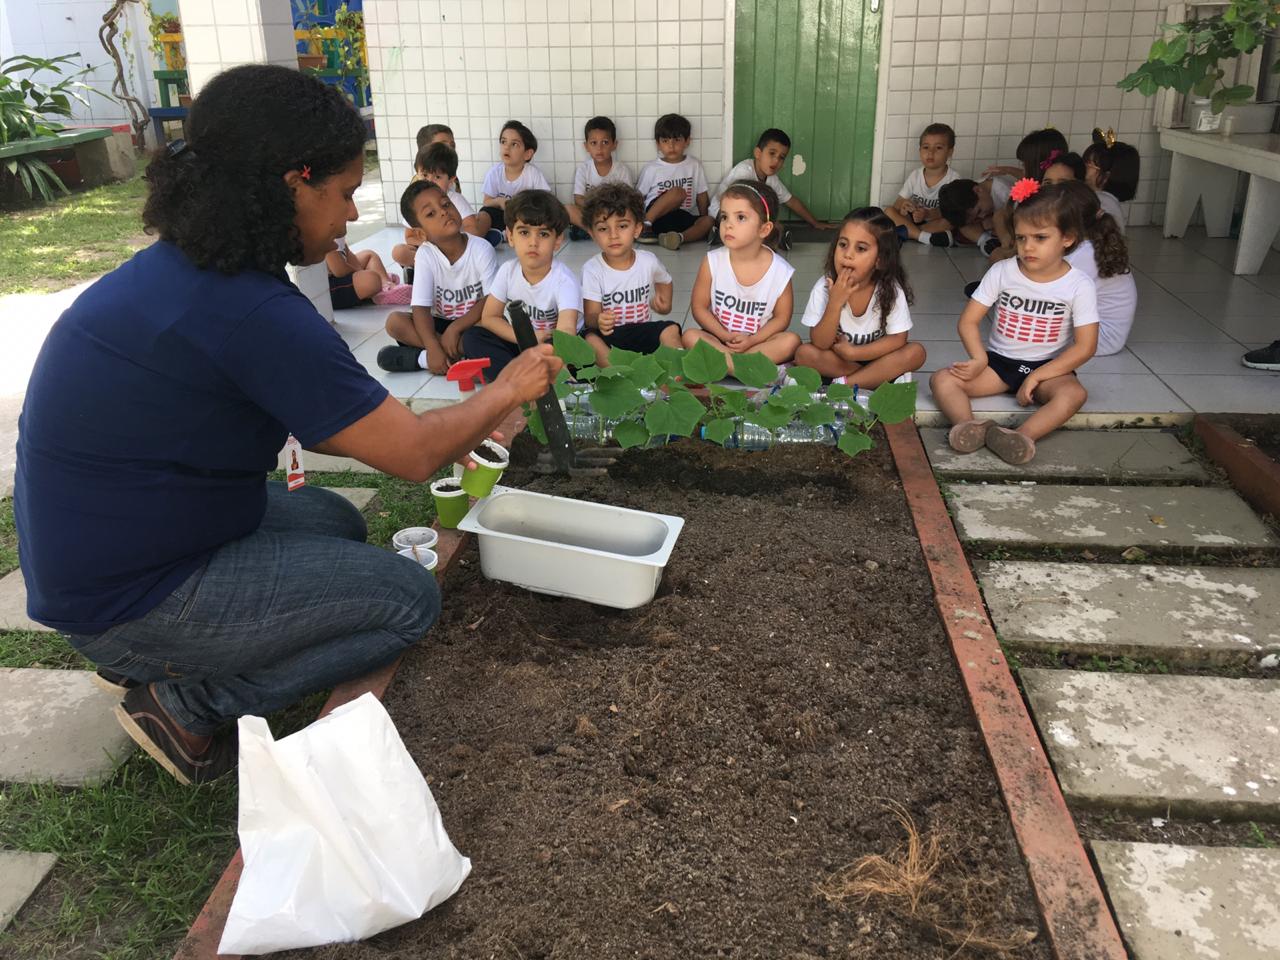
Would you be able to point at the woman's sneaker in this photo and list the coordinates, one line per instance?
(398, 359)
(151, 728)
(1264, 358)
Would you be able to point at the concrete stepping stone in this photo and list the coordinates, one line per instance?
(56, 725)
(1196, 746)
(359, 496)
(1187, 903)
(1097, 456)
(21, 874)
(325, 463)
(13, 604)
(1188, 615)
(1113, 517)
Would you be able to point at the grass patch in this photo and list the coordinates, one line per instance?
(8, 537)
(56, 245)
(30, 648)
(400, 503)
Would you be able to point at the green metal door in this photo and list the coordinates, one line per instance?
(810, 68)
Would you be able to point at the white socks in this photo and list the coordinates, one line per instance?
(422, 359)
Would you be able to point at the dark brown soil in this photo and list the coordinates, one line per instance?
(677, 781)
(1262, 428)
(1118, 825)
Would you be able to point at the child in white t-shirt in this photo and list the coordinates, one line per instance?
(1046, 326)
(1104, 257)
(513, 173)
(859, 311)
(674, 188)
(969, 208)
(742, 297)
(453, 273)
(622, 287)
(536, 222)
(772, 149)
(437, 163)
(1112, 167)
(600, 139)
(916, 209)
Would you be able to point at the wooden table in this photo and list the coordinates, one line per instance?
(1206, 167)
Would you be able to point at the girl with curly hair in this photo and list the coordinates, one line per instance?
(159, 403)
(1103, 256)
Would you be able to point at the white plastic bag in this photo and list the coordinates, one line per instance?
(341, 836)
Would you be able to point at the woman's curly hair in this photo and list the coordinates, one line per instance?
(222, 199)
(1110, 251)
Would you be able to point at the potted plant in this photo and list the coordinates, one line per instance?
(1188, 59)
(305, 19)
(349, 52)
(166, 38)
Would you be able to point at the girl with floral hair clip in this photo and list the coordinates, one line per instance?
(1046, 326)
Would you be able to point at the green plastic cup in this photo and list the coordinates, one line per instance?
(451, 502)
(491, 460)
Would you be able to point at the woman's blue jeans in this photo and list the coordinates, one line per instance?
(301, 604)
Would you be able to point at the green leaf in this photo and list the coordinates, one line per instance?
(839, 391)
(587, 373)
(562, 384)
(1158, 50)
(704, 364)
(674, 417)
(688, 409)
(572, 349)
(1244, 39)
(854, 442)
(807, 377)
(615, 398)
(644, 372)
(792, 397)
(1239, 93)
(622, 358)
(732, 401)
(719, 431)
(534, 419)
(818, 414)
(607, 373)
(671, 359)
(755, 369)
(630, 433)
(1204, 87)
(771, 416)
(1176, 50)
(893, 402)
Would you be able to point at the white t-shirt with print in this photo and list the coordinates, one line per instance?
(742, 309)
(746, 170)
(447, 289)
(1111, 205)
(586, 176)
(864, 328)
(920, 193)
(626, 292)
(658, 177)
(1117, 300)
(1035, 320)
(496, 183)
(558, 290)
(1001, 188)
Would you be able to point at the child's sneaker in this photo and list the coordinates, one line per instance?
(397, 294)
(647, 234)
(940, 239)
(971, 288)
(784, 242)
(577, 233)
(399, 359)
(968, 435)
(494, 236)
(671, 239)
(989, 246)
(1010, 446)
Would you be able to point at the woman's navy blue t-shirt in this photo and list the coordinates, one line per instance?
(156, 407)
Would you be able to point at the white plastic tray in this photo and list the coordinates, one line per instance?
(572, 548)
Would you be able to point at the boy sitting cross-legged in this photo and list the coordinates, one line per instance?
(916, 210)
(437, 163)
(536, 222)
(513, 173)
(600, 138)
(623, 287)
(674, 186)
(764, 163)
(452, 273)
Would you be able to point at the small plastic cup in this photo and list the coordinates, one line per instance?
(414, 537)
(451, 502)
(491, 460)
(422, 555)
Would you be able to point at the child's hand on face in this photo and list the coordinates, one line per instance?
(606, 321)
(844, 284)
(968, 369)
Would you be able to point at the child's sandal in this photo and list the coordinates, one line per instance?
(968, 435)
(1011, 446)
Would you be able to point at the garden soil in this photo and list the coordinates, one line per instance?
(1262, 428)
(690, 779)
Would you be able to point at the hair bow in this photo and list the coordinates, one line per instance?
(1049, 161)
(1106, 138)
(1024, 188)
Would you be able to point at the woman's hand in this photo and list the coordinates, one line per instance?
(531, 374)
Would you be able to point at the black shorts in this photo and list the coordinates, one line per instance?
(497, 217)
(441, 326)
(677, 221)
(1013, 372)
(342, 291)
(637, 337)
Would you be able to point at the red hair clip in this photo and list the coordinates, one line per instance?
(306, 172)
(1049, 161)
(1024, 188)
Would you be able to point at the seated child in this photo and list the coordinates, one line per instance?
(623, 287)
(453, 272)
(674, 185)
(600, 138)
(916, 210)
(536, 222)
(859, 310)
(1063, 168)
(513, 173)
(1112, 168)
(436, 163)
(970, 206)
(742, 297)
(357, 279)
(439, 133)
(763, 165)
(1046, 326)
(1104, 257)
(1036, 153)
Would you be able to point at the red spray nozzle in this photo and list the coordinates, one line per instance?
(466, 372)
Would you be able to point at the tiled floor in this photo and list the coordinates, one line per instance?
(1194, 321)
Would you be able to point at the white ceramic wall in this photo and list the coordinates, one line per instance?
(996, 69)
(219, 34)
(552, 64)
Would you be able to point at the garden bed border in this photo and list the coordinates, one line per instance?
(1077, 919)
(1250, 471)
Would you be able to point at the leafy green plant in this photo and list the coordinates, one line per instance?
(159, 23)
(350, 41)
(25, 108)
(649, 397)
(1188, 55)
